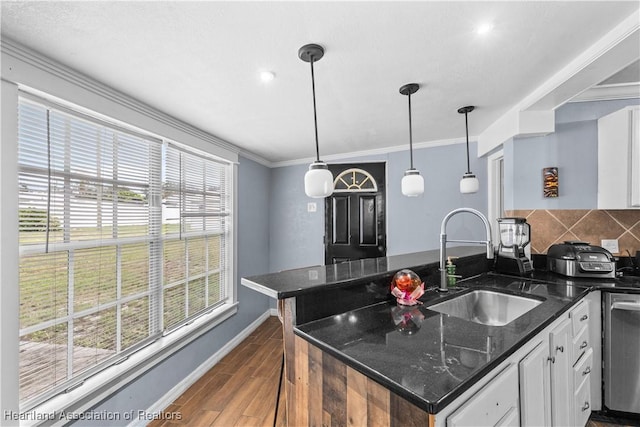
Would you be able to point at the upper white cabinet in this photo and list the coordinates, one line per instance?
(619, 159)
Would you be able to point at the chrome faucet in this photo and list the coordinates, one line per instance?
(443, 242)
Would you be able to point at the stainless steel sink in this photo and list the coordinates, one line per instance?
(486, 307)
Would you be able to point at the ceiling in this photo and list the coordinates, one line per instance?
(199, 62)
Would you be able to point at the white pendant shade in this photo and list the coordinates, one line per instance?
(318, 181)
(412, 183)
(469, 184)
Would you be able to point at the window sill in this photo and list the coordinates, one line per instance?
(73, 403)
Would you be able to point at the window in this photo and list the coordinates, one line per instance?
(123, 237)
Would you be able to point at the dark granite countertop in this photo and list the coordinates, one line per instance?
(429, 358)
(622, 284)
(291, 283)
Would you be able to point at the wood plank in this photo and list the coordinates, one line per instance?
(406, 414)
(245, 421)
(378, 405)
(356, 398)
(203, 418)
(315, 387)
(265, 397)
(334, 389)
(200, 400)
(239, 400)
(302, 383)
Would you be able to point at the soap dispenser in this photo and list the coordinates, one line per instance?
(451, 273)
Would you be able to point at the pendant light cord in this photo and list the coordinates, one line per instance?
(315, 117)
(410, 135)
(466, 125)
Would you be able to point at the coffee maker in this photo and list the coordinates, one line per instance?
(515, 234)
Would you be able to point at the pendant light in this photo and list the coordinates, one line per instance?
(469, 183)
(318, 181)
(412, 181)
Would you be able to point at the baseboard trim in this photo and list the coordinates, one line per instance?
(188, 381)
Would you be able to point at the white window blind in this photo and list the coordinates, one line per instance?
(122, 237)
(196, 229)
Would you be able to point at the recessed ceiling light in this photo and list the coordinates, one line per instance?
(267, 76)
(484, 28)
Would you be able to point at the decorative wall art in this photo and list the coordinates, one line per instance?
(550, 182)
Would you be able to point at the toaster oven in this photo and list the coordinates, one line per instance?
(580, 259)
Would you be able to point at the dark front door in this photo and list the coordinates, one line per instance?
(355, 213)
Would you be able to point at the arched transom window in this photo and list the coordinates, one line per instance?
(355, 180)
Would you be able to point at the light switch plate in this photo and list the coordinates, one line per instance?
(312, 207)
(611, 245)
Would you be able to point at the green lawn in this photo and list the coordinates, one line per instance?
(44, 286)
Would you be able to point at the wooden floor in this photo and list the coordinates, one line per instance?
(241, 389)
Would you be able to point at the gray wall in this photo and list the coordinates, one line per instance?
(413, 224)
(573, 148)
(253, 249)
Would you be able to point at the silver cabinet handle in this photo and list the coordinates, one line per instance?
(552, 359)
(586, 371)
(584, 344)
(560, 349)
(586, 406)
(583, 318)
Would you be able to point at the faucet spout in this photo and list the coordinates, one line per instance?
(444, 241)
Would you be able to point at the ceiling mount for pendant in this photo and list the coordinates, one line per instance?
(410, 89)
(311, 51)
(466, 110)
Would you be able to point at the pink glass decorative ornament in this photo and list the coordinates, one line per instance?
(407, 287)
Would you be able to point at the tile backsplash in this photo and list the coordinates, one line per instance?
(555, 226)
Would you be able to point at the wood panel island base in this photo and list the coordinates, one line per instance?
(322, 391)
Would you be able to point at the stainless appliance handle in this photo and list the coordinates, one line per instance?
(626, 305)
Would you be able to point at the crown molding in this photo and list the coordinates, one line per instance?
(13, 50)
(609, 92)
(371, 152)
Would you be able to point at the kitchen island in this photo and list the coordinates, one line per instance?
(353, 356)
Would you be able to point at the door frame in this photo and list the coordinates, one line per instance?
(386, 200)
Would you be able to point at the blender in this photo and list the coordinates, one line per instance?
(515, 234)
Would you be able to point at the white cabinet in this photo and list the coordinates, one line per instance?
(619, 159)
(560, 341)
(495, 404)
(535, 388)
(550, 381)
(555, 377)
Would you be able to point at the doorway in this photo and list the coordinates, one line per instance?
(495, 167)
(355, 223)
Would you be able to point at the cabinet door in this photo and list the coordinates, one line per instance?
(535, 388)
(560, 341)
(492, 404)
(619, 159)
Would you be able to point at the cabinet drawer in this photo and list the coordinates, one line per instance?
(491, 404)
(580, 345)
(582, 404)
(579, 316)
(582, 370)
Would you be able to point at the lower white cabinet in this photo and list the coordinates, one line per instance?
(496, 404)
(560, 343)
(535, 390)
(547, 382)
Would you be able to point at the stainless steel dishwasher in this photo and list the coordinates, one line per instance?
(622, 352)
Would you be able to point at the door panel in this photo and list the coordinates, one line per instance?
(341, 220)
(368, 221)
(355, 225)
